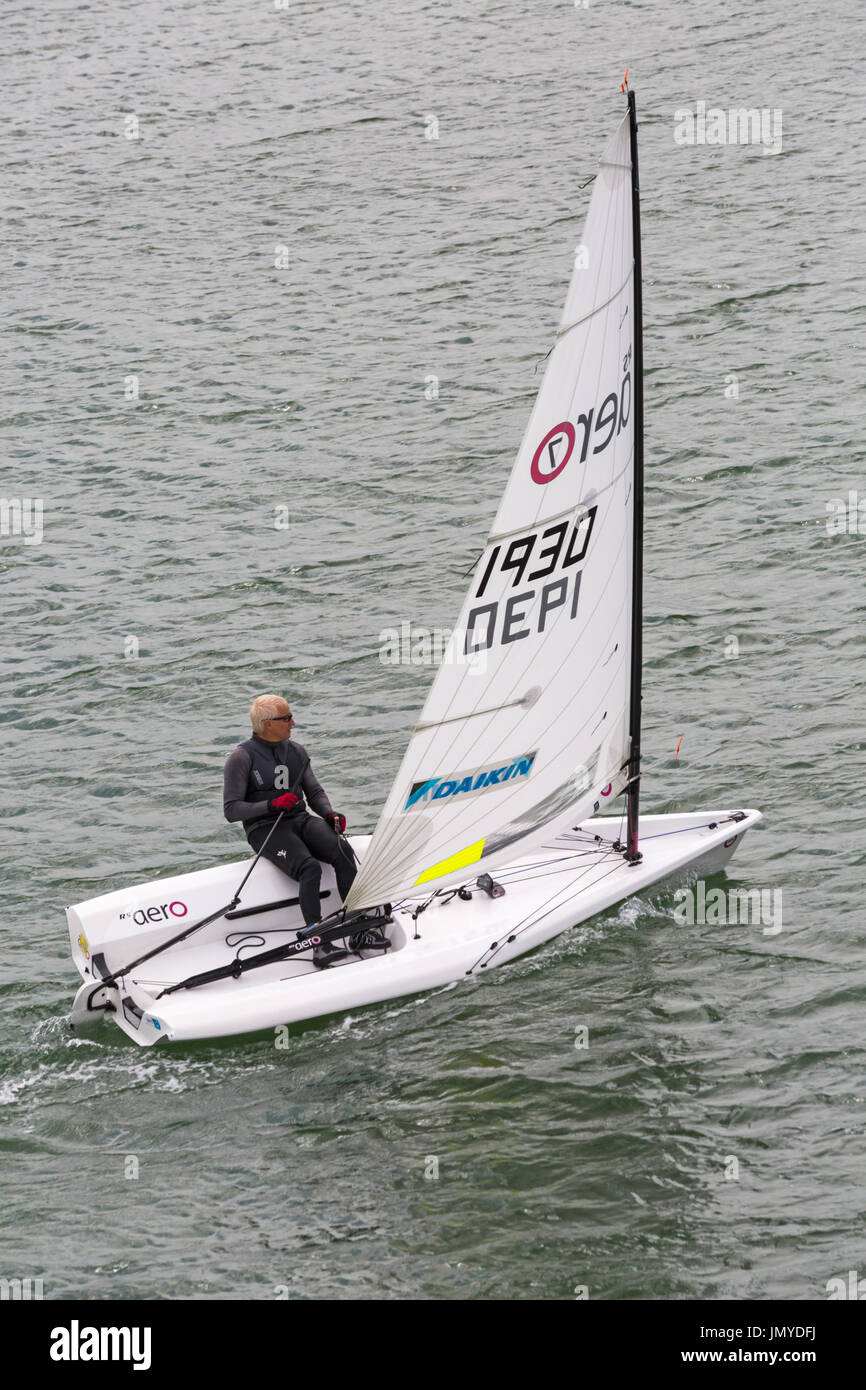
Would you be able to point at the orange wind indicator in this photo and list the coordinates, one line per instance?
(677, 754)
(624, 87)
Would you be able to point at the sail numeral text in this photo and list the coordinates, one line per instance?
(527, 559)
(519, 551)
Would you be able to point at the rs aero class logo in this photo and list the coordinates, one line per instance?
(162, 913)
(597, 426)
(471, 783)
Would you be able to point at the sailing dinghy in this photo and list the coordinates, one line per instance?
(530, 730)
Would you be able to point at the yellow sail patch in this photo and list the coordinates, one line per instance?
(457, 861)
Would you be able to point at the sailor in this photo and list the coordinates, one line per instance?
(270, 773)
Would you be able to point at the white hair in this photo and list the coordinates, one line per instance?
(264, 707)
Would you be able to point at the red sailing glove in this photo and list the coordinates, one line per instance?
(336, 821)
(283, 803)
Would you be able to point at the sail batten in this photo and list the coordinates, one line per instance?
(597, 310)
(518, 530)
(526, 728)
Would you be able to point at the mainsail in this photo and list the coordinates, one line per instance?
(526, 728)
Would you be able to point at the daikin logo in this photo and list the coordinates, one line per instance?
(463, 784)
(77, 1343)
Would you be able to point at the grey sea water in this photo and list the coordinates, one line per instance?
(298, 379)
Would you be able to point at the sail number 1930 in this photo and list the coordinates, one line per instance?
(551, 555)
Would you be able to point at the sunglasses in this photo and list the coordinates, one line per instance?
(280, 718)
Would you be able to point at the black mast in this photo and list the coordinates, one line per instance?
(632, 853)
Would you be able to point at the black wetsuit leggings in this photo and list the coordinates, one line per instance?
(296, 846)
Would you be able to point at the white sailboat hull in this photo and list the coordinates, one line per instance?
(574, 877)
